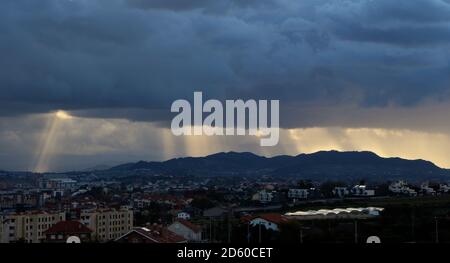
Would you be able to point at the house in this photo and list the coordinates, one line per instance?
(444, 188)
(401, 187)
(298, 193)
(340, 191)
(57, 183)
(61, 231)
(153, 234)
(215, 212)
(28, 226)
(186, 229)
(263, 196)
(107, 223)
(269, 221)
(426, 189)
(361, 190)
(183, 215)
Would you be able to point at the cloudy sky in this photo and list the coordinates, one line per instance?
(90, 82)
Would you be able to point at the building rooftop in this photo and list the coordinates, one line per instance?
(157, 234)
(191, 226)
(274, 218)
(68, 227)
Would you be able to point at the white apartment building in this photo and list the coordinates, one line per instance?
(341, 191)
(58, 183)
(191, 232)
(263, 196)
(183, 215)
(141, 203)
(27, 227)
(108, 224)
(444, 188)
(298, 193)
(361, 190)
(426, 189)
(401, 187)
(268, 221)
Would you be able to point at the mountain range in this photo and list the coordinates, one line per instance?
(323, 165)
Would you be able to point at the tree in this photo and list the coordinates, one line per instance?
(327, 187)
(305, 184)
(202, 203)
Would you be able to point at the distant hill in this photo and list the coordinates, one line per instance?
(97, 168)
(324, 165)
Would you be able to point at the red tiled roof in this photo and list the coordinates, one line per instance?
(247, 218)
(274, 218)
(193, 227)
(68, 227)
(158, 234)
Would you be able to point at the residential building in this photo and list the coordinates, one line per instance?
(341, 191)
(444, 188)
(107, 223)
(60, 232)
(426, 189)
(27, 227)
(264, 196)
(58, 183)
(361, 190)
(401, 187)
(298, 193)
(215, 212)
(153, 234)
(183, 215)
(186, 229)
(269, 221)
(13, 199)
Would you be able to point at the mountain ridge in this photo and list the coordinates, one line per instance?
(325, 165)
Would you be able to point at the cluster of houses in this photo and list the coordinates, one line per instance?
(180, 231)
(403, 188)
(104, 211)
(357, 191)
(92, 225)
(294, 194)
(400, 187)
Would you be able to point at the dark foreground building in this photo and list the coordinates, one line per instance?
(61, 231)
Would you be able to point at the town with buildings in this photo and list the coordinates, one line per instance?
(51, 208)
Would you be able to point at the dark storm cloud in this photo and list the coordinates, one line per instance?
(405, 36)
(132, 58)
(173, 5)
(206, 5)
(404, 23)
